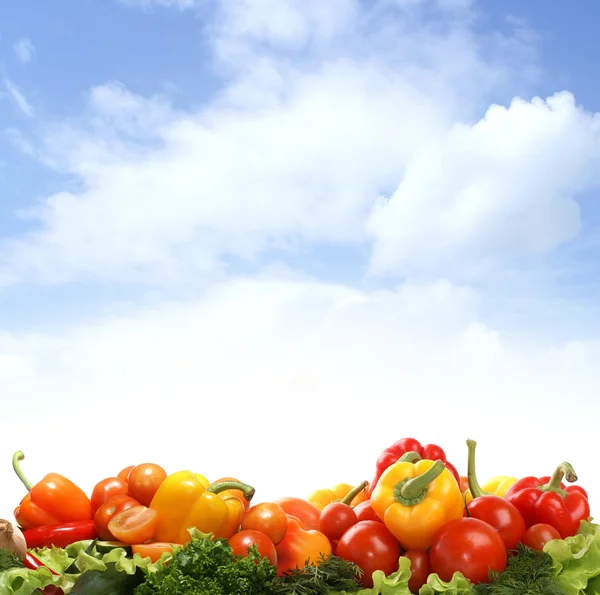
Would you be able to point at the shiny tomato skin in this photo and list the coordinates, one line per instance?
(134, 525)
(113, 506)
(470, 546)
(336, 519)
(103, 490)
(124, 473)
(364, 512)
(420, 569)
(308, 514)
(152, 550)
(268, 518)
(144, 480)
(537, 536)
(371, 546)
(433, 452)
(242, 542)
(500, 514)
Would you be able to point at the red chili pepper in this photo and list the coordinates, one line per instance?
(33, 563)
(547, 500)
(391, 455)
(60, 535)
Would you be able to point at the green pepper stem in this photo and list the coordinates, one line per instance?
(415, 489)
(217, 488)
(564, 470)
(412, 456)
(355, 492)
(16, 460)
(476, 489)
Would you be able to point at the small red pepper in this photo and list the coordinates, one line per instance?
(33, 563)
(60, 535)
(547, 500)
(391, 455)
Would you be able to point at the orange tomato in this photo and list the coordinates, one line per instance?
(103, 490)
(233, 493)
(152, 550)
(134, 525)
(268, 518)
(144, 480)
(113, 506)
(124, 473)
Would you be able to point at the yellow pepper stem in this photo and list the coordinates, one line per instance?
(354, 492)
(412, 456)
(564, 470)
(247, 490)
(476, 489)
(412, 491)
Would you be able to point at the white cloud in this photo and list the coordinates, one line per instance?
(18, 98)
(24, 50)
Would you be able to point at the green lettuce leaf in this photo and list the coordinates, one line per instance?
(577, 559)
(22, 581)
(394, 584)
(459, 585)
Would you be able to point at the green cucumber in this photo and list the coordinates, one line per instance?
(104, 547)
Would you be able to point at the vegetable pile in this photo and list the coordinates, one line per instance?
(417, 527)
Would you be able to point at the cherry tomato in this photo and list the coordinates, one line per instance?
(308, 514)
(242, 542)
(103, 490)
(371, 546)
(268, 518)
(152, 550)
(144, 480)
(537, 536)
(420, 569)
(469, 546)
(134, 525)
(500, 514)
(336, 518)
(364, 512)
(433, 452)
(113, 506)
(124, 473)
(235, 493)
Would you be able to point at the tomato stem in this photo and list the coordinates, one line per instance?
(564, 470)
(412, 491)
(412, 456)
(16, 460)
(217, 488)
(355, 492)
(474, 486)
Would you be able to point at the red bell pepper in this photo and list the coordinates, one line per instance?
(547, 500)
(60, 535)
(391, 455)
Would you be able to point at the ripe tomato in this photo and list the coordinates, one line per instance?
(371, 546)
(420, 569)
(134, 525)
(241, 542)
(268, 518)
(469, 546)
(103, 490)
(152, 550)
(500, 514)
(302, 509)
(336, 518)
(144, 480)
(233, 493)
(364, 512)
(124, 473)
(113, 506)
(433, 452)
(537, 536)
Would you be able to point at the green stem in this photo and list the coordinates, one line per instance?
(217, 488)
(16, 460)
(355, 492)
(412, 491)
(564, 470)
(412, 456)
(476, 489)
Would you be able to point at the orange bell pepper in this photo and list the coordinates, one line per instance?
(300, 547)
(233, 492)
(321, 498)
(52, 501)
(414, 500)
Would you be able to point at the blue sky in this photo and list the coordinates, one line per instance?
(308, 200)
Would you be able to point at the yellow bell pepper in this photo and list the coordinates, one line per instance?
(183, 500)
(414, 500)
(321, 498)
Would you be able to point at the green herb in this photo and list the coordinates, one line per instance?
(207, 567)
(9, 559)
(330, 574)
(528, 572)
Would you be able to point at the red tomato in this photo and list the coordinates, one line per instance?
(500, 514)
(268, 518)
(242, 542)
(371, 546)
(469, 546)
(302, 509)
(364, 512)
(124, 473)
(144, 480)
(152, 550)
(103, 490)
(336, 519)
(537, 536)
(113, 506)
(134, 525)
(420, 569)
